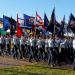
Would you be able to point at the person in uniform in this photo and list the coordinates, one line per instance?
(0, 44)
(3, 45)
(27, 46)
(31, 48)
(62, 46)
(46, 48)
(50, 51)
(12, 46)
(39, 48)
(54, 43)
(15, 39)
(74, 53)
(57, 41)
(7, 45)
(22, 47)
(35, 48)
(70, 55)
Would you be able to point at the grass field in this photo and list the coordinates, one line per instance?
(38, 69)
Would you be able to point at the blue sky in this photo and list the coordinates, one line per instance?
(62, 7)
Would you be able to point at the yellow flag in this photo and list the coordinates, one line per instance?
(1, 25)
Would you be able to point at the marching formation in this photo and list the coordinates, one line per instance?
(51, 49)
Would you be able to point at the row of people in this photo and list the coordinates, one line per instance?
(46, 48)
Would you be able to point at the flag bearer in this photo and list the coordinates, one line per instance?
(46, 47)
(43, 47)
(22, 47)
(31, 48)
(3, 45)
(57, 40)
(0, 44)
(15, 39)
(62, 46)
(50, 51)
(74, 53)
(7, 44)
(39, 48)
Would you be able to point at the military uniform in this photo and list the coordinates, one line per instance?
(62, 53)
(31, 49)
(3, 45)
(39, 48)
(15, 41)
(74, 53)
(22, 47)
(46, 49)
(8, 45)
(0, 45)
(50, 52)
(27, 47)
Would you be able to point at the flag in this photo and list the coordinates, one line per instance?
(62, 26)
(46, 21)
(71, 23)
(58, 29)
(1, 23)
(6, 22)
(54, 25)
(39, 20)
(9, 23)
(51, 26)
(12, 26)
(28, 20)
(19, 30)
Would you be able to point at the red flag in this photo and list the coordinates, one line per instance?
(43, 27)
(19, 30)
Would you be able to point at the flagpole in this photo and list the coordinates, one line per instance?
(24, 24)
(54, 22)
(35, 24)
(54, 28)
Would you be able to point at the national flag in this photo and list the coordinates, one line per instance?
(54, 26)
(52, 23)
(46, 21)
(62, 26)
(28, 20)
(1, 23)
(6, 22)
(39, 20)
(12, 26)
(71, 23)
(58, 29)
(19, 30)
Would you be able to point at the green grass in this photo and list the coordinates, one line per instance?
(38, 69)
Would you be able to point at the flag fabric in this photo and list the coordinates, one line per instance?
(46, 21)
(28, 20)
(19, 30)
(71, 23)
(6, 22)
(58, 29)
(54, 26)
(51, 26)
(1, 23)
(12, 26)
(39, 20)
(62, 26)
(9, 23)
